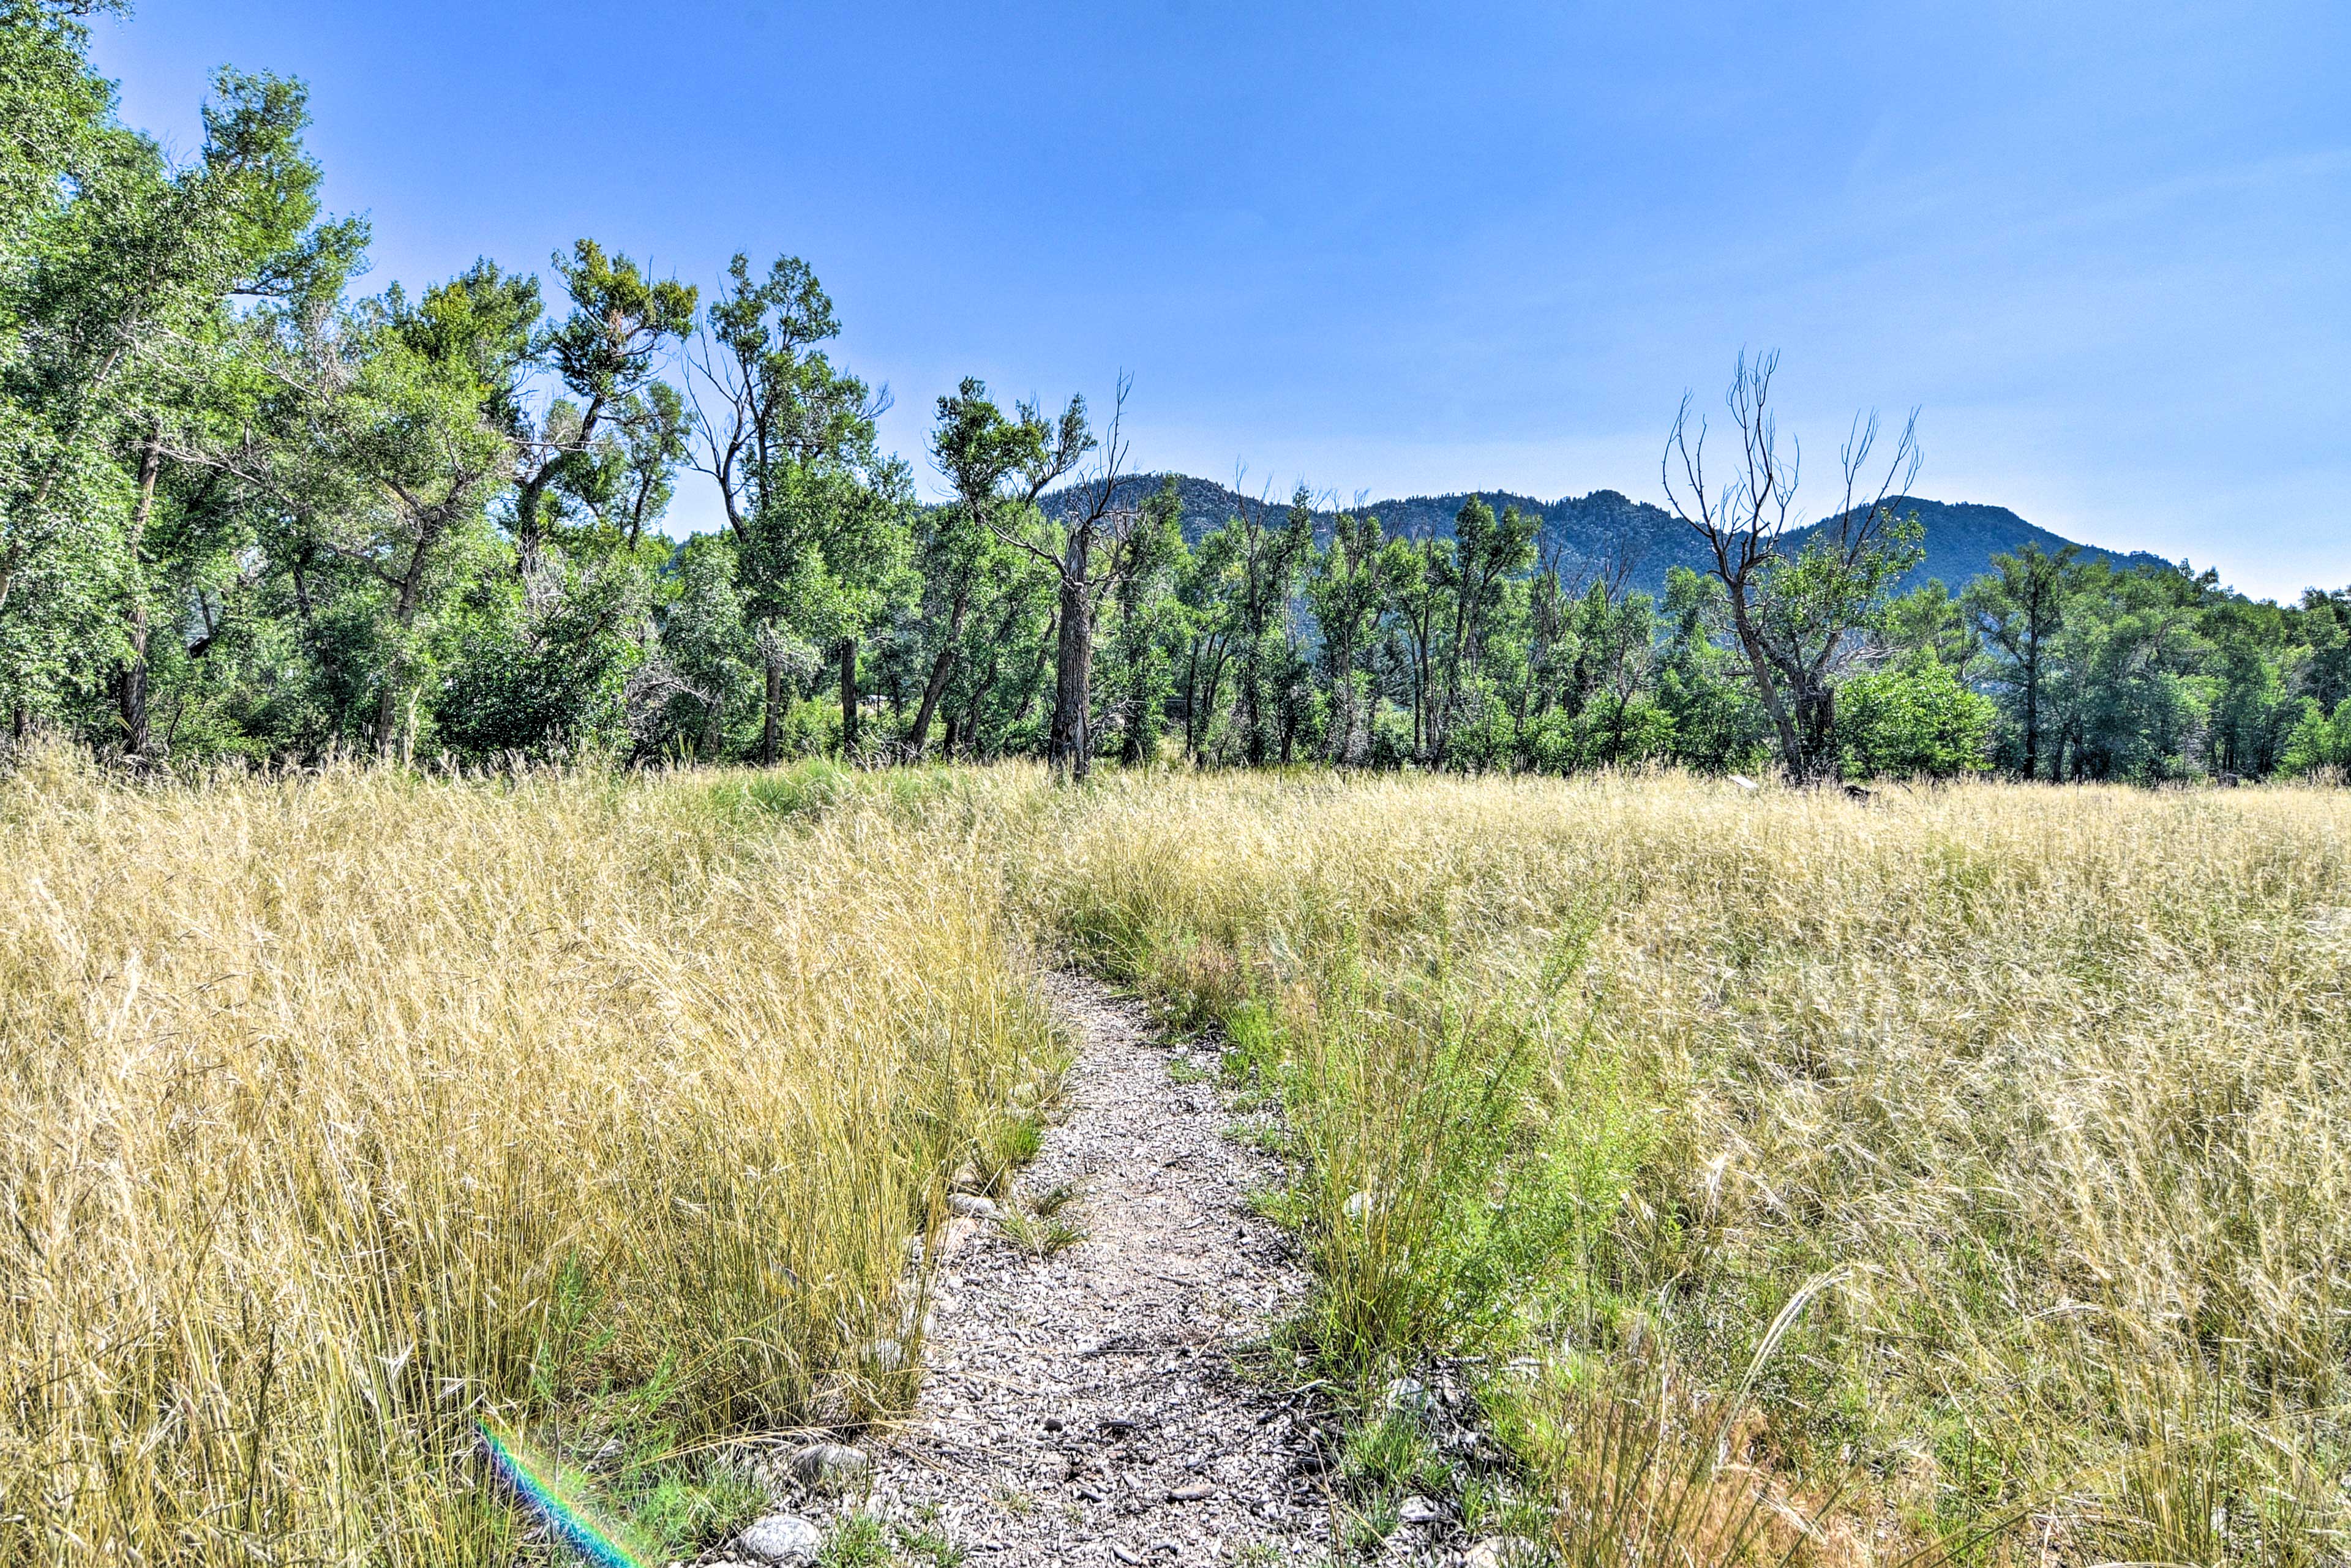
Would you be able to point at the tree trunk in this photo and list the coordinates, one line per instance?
(133, 684)
(529, 496)
(767, 736)
(1037, 668)
(1759, 667)
(848, 695)
(971, 722)
(1068, 745)
(2031, 710)
(941, 668)
(387, 708)
(1192, 701)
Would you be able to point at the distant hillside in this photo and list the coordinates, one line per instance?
(1962, 536)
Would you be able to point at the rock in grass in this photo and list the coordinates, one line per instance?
(831, 1466)
(970, 1206)
(1500, 1551)
(884, 1355)
(1359, 1205)
(785, 1540)
(1404, 1396)
(1418, 1510)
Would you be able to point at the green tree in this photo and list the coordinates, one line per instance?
(1718, 723)
(1347, 590)
(2124, 673)
(604, 355)
(2319, 743)
(2016, 608)
(998, 467)
(819, 516)
(417, 408)
(1913, 720)
(1149, 625)
(1244, 575)
(1488, 552)
(114, 293)
(1095, 547)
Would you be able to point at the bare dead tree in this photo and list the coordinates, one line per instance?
(1791, 625)
(1091, 522)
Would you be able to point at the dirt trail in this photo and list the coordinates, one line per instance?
(1086, 1408)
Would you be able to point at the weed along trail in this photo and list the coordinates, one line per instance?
(1082, 1400)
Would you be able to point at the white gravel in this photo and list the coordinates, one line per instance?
(1097, 1407)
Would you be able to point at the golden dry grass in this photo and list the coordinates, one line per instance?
(340, 1110)
(2047, 1087)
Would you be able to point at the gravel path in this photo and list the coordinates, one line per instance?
(1088, 1406)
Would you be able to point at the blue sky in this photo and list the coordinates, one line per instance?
(2105, 248)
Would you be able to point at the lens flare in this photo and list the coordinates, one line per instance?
(543, 1495)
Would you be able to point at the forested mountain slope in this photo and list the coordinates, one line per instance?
(1588, 531)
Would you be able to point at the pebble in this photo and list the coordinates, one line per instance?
(1194, 1493)
(831, 1466)
(785, 1540)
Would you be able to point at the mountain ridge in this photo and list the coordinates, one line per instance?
(1588, 532)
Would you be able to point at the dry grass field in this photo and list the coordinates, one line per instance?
(2025, 1113)
(339, 1111)
(1970, 1172)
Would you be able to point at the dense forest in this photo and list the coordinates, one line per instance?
(248, 512)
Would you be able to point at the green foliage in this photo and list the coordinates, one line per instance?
(1913, 721)
(245, 514)
(2319, 743)
(549, 682)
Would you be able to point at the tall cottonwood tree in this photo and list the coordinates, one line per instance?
(2018, 608)
(1246, 575)
(604, 354)
(1148, 623)
(1487, 552)
(1346, 591)
(114, 290)
(818, 515)
(427, 418)
(996, 466)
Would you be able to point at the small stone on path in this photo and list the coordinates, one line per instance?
(784, 1539)
(831, 1466)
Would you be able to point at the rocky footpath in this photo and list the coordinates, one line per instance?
(1094, 1390)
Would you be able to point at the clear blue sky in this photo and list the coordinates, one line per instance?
(2106, 246)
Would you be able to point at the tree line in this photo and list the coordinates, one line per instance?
(245, 512)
